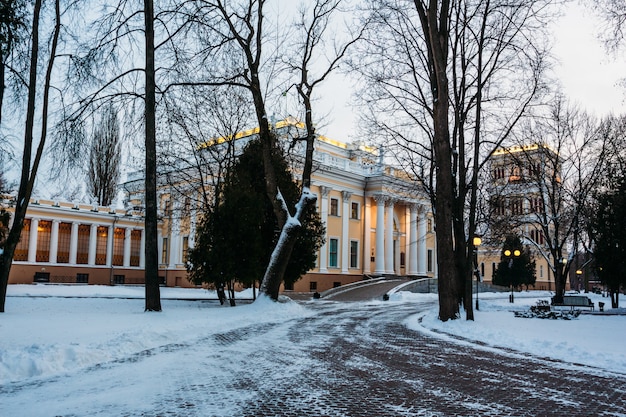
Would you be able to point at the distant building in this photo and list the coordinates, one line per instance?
(518, 200)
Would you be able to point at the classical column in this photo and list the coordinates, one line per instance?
(142, 249)
(389, 237)
(32, 240)
(380, 234)
(110, 235)
(324, 217)
(413, 237)
(367, 237)
(93, 240)
(54, 241)
(73, 243)
(422, 252)
(173, 249)
(127, 240)
(345, 231)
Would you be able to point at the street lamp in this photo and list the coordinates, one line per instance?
(507, 253)
(579, 274)
(476, 241)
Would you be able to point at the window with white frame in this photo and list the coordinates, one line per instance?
(334, 207)
(354, 254)
(333, 245)
(354, 212)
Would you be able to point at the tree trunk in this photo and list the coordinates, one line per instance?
(153, 295)
(28, 174)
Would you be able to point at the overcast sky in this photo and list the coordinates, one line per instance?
(589, 76)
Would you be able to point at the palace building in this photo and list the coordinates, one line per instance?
(378, 223)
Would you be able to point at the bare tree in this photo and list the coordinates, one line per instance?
(240, 28)
(12, 30)
(31, 158)
(447, 83)
(559, 175)
(105, 158)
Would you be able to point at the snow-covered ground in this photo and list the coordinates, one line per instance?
(591, 339)
(51, 330)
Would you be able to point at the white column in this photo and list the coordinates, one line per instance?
(73, 243)
(109, 258)
(142, 250)
(345, 231)
(367, 236)
(422, 252)
(54, 241)
(413, 237)
(193, 220)
(174, 249)
(380, 235)
(324, 217)
(93, 239)
(389, 237)
(32, 240)
(127, 241)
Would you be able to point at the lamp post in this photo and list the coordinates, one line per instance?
(579, 274)
(507, 253)
(477, 241)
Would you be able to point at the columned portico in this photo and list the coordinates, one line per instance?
(324, 218)
(421, 242)
(93, 240)
(73, 243)
(109, 255)
(389, 205)
(32, 240)
(127, 240)
(345, 241)
(413, 239)
(367, 237)
(54, 241)
(380, 234)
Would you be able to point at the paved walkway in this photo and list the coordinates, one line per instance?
(369, 364)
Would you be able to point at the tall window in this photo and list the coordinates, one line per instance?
(82, 252)
(185, 248)
(21, 250)
(517, 206)
(332, 253)
(354, 254)
(429, 261)
(354, 212)
(334, 207)
(101, 245)
(65, 233)
(164, 253)
(43, 240)
(135, 247)
(118, 246)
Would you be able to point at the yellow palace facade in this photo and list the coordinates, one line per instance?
(377, 224)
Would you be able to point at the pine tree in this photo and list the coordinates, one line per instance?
(516, 267)
(235, 239)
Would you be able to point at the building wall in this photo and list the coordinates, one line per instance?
(385, 234)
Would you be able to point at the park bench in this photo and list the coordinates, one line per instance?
(574, 301)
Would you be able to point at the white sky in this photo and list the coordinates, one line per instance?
(588, 74)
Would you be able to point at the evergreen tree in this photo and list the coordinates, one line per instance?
(516, 267)
(235, 239)
(607, 226)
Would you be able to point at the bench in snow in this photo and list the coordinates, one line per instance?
(574, 301)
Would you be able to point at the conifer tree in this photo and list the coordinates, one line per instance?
(235, 239)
